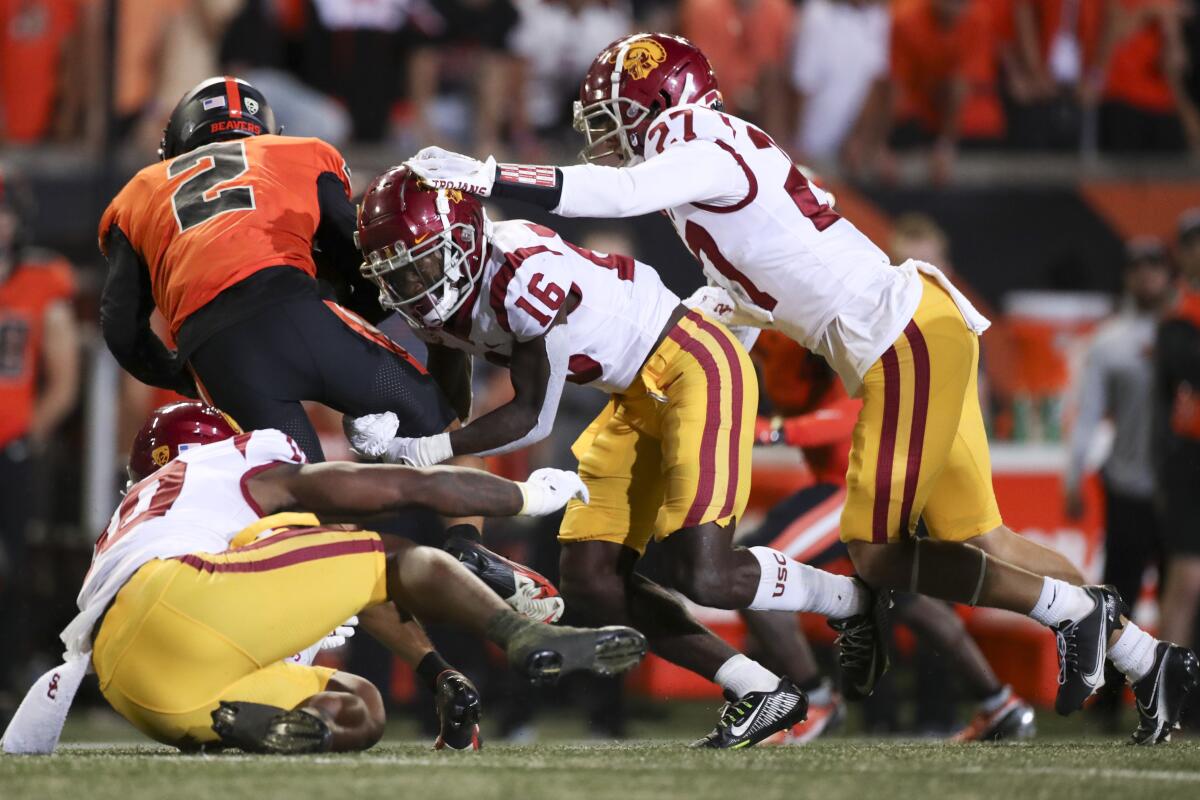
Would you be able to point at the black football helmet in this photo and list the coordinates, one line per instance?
(218, 108)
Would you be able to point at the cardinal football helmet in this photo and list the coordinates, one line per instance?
(173, 428)
(631, 82)
(423, 247)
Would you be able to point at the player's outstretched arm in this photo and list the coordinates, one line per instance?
(364, 489)
(695, 171)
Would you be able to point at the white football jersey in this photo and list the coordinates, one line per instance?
(763, 232)
(196, 503)
(529, 273)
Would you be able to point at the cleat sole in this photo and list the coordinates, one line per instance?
(606, 651)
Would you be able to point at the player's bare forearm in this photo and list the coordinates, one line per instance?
(494, 430)
(530, 375)
(341, 488)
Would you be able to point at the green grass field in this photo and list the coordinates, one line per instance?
(1062, 764)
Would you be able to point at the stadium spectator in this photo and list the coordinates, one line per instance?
(40, 59)
(39, 383)
(944, 69)
(839, 72)
(1177, 377)
(254, 47)
(1053, 50)
(748, 44)
(1118, 382)
(1138, 81)
(465, 47)
(554, 43)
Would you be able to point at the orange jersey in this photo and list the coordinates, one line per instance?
(24, 297)
(33, 34)
(212, 217)
(821, 416)
(1135, 73)
(926, 56)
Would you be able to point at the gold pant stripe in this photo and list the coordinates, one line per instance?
(919, 448)
(673, 450)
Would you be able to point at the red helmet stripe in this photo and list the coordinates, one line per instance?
(233, 96)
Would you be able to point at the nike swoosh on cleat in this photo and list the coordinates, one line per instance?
(1152, 710)
(742, 727)
(1095, 679)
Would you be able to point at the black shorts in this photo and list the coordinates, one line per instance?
(258, 371)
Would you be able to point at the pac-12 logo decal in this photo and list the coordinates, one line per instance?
(161, 454)
(643, 57)
(251, 105)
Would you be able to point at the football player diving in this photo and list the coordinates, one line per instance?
(214, 570)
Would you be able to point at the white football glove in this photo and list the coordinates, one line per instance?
(337, 638)
(548, 490)
(443, 169)
(424, 451)
(340, 634)
(370, 434)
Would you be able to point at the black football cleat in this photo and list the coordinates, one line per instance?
(544, 653)
(458, 708)
(1163, 693)
(862, 642)
(747, 721)
(1083, 648)
(258, 728)
(526, 591)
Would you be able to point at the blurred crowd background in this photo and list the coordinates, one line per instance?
(1046, 151)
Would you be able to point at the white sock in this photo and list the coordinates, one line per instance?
(1133, 653)
(1061, 602)
(787, 585)
(739, 676)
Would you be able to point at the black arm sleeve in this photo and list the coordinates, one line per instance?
(125, 307)
(536, 194)
(340, 258)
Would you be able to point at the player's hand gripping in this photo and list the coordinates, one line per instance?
(548, 490)
(443, 169)
(370, 434)
(373, 436)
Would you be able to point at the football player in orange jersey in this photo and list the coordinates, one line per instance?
(818, 416)
(220, 237)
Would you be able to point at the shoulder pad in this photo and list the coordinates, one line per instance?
(524, 293)
(688, 123)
